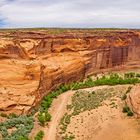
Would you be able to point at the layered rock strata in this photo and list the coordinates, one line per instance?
(32, 63)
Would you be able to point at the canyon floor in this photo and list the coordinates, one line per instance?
(35, 63)
(93, 113)
(106, 121)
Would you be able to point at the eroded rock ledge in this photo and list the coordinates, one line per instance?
(32, 63)
(133, 100)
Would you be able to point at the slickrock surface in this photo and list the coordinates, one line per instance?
(34, 62)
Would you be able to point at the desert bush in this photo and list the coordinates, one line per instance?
(129, 75)
(89, 82)
(127, 110)
(66, 137)
(23, 138)
(41, 119)
(47, 117)
(124, 97)
(138, 75)
(23, 125)
(67, 119)
(46, 103)
(39, 135)
(3, 115)
(78, 85)
(129, 89)
(130, 113)
(12, 115)
(44, 117)
(54, 94)
(64, 87)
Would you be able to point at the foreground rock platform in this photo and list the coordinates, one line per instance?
(34, 62)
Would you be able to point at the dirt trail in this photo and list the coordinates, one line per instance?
(58, 109)
(50, 133)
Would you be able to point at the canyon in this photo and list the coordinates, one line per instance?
(34, 62)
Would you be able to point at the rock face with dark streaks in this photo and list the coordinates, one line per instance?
(32, 63)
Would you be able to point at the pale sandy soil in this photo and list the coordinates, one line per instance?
(103, 123)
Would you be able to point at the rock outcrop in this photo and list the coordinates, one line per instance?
(32, 63)
(133, 100)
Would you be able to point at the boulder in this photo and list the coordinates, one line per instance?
(133, 100)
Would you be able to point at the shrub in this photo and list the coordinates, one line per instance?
(67, 119)
(93, 92)
(75, 86)
(39, 135)
(12, 115)
(130, 113)
(129, 89)
(138, 75)
(41, 119)
(130, 75)
(89, 82)
(23, 138)
(64, 88)
(127, 110)
(44, 117)
(54, 94)
(47, 117)
(66, 137)
(23, 125)
(3, 115)
(124, 97)
(46, 103)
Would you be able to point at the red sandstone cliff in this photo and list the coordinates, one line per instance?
(32, 63)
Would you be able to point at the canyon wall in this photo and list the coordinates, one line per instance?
(32, 63)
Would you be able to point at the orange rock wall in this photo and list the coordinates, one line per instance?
(34, 63)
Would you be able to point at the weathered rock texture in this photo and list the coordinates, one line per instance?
(133, 100)
(32, 63)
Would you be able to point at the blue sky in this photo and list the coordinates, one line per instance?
(70, 13)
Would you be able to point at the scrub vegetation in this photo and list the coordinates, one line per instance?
(21, 126)
(83, 100)
(111, 79)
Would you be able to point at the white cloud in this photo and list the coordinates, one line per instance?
(70, 13)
